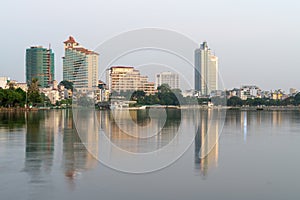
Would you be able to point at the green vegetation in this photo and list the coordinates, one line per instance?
(12, 98)
(167, 96)
(34, 97)
(164, 96)
(33, 93)
(64, 102)
(68, 85)
(290, 101)
(17, 97)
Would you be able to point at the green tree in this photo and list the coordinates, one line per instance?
(12, 97)
(67, 84)
(164, 88)
(152, 99)
(138, 96)
(297, 99)
(34, 96)
(167, 96)
(235, 101)
(22, 99)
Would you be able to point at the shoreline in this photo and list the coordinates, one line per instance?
(264, 108)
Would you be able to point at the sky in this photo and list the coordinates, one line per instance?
(257, 41)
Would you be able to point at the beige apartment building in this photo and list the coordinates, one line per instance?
(124, 78)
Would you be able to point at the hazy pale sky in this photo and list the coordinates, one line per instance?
(257, 41)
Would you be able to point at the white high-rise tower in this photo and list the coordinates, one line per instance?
(206, 70)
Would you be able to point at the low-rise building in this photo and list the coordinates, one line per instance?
(52, 94)
(293, 91)
(250, 92)
(3, 81)
(233, 93)
(188, 93)
(57, 92)
(15, 84)
(278, 94)
(103, 92)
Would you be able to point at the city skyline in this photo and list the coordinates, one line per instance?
(52, 51)
(160, 99)
(239, 33)
(75, 46)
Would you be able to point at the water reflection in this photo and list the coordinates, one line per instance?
(11, 120)
(39, 149)
(44, 132)
(39, 146)
(130, 136)
(207, 140)
(244, 121)
(76, 157)
(51, 137)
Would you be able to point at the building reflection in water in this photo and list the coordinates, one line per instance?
(244, 121)
(131, 136)
(39, 145)
(39, 152)
(51, 138)
(76, 158)
(207, 139)
(45, 130)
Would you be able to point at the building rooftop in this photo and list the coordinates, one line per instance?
(70, 40)
(77, 47)
(113, 67)
(84, 50)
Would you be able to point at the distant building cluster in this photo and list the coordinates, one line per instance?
(56, 92)
(6, 83)
(252, 92)
(80, 68)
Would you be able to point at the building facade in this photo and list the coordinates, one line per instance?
(206, 70)
(170, 78)
(250, 92)
(293, 91)
(124, 79)
(3, 81)
(40, 65)
(80, 65)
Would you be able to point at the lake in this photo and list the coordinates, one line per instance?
(43, 156)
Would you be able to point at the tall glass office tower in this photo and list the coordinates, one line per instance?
(40, 65)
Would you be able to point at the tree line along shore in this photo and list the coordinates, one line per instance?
(17, 99)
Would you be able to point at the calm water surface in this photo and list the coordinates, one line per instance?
(42, 157)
